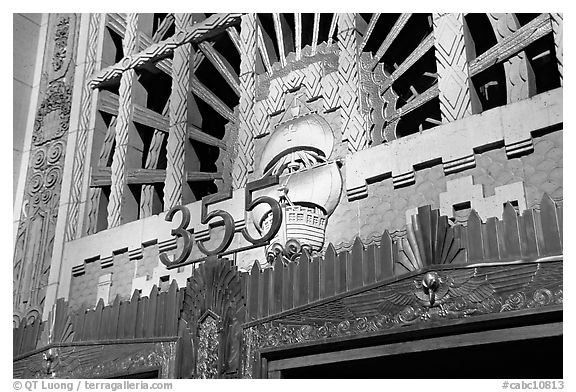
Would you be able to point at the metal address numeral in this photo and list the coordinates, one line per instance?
(276, 219)
(180, 231)
(228, 232)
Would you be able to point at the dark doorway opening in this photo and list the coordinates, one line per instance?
(531, 358)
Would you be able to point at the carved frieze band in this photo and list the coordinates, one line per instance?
(87, 113)
(104, 360)
(250, 122)
(123, 124)
(456, 92)
(193, 34)
(454, 143)
(460, 294)
(175, 149)
(354, 131)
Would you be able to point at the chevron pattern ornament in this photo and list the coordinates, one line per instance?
(250, 121)
(87, 113)
(557, 27)
(294, 80)
(275, 102)
(175, 148)
(520, 79)
(261, 119)
(452, 67)
(353, 123)
(313, 81)
(210, 27)
(330, 92)
(123, 123)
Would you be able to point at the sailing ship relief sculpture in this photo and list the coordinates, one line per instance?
(299, 151)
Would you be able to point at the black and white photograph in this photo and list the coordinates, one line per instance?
(287, 196)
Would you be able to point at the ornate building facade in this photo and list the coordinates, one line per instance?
(275, 195)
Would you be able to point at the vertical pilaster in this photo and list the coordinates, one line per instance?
(88, 103)
(457, 96)
(40, 225)
(176, 146)
(353, 127)
(119, 186)
(244, 160)
(557, 27)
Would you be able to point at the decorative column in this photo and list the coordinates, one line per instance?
(354, 131)
(247, 122)
(176, 146)
(119, 187)
(454, 49)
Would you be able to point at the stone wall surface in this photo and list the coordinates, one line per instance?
(122, 274)
(543, 169)
(385, 207)
(84, 288)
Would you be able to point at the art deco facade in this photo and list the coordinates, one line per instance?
(271, 195)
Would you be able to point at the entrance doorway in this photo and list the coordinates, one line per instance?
(534, 358)
(527, 346)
